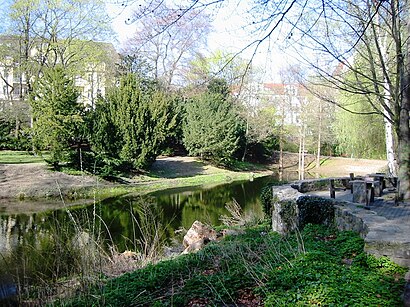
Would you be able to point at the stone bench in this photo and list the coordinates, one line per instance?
(385, 180)
(339, 184)
(363, 191)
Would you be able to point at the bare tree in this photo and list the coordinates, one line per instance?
(44, 33)
(168, 40)
(331, 34)
(369, 41)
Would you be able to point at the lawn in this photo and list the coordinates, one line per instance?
(19, 157)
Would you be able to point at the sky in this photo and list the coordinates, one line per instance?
(228, 34)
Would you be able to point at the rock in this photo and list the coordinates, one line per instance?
(284, 209)
(406, 295)
(231, 232)
(194, 247)
(197, 236)
(129, 255)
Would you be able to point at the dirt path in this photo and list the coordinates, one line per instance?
(35, 180)
(335, 166)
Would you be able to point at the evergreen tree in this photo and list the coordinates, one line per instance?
(212, 127)
(58, 117)
(132, 123)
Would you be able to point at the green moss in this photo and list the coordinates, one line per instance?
(315, 210)
(288, 215)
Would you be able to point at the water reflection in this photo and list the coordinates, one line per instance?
(50, 242)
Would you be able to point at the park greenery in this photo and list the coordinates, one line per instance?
(72, 98)
(162, 95)
(318, 266)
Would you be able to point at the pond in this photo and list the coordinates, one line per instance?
(49, 242)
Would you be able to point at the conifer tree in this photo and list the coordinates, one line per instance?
(57, 116)
(132, 123)
(212, 128)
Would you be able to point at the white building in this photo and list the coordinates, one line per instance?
(94, 76)
(287, 99)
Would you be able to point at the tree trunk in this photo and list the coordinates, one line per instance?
(404, 141)
(282, 123)
(390, 155)
(17, 132)
(302, 152)
(319, 136)
(403, 130)
(245, 151)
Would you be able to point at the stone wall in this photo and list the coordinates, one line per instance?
(321, 184)
(292, 209)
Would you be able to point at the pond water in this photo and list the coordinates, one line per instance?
(48, 241)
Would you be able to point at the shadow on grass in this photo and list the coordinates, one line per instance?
(176, 169)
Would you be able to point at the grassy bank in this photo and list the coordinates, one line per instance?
(151, 184)
(19, 157)
(318, 267)
(171, 172)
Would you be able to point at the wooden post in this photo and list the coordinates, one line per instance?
(369, 193)
(351, 175)
(332, 188)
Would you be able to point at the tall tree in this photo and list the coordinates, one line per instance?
(372, 46)
(58, 117)
(212, 128)
(327, 33)
(358, 134)
(132, 122)
(168, 40)
(48, 33)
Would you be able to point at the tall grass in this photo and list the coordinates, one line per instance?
(238, 218)
(77, 253)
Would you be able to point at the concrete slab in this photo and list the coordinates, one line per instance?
(388, 224)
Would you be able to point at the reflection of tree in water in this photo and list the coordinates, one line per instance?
(53, 244)
(207, 205)
(46, 247)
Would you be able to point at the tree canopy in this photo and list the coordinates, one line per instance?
(132, 123)
(212, 126)
(57, 116)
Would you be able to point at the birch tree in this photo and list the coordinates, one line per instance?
(328, 34)
(372, 44)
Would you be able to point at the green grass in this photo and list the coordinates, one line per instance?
(151, 184)
(319, 267)
(19, 157)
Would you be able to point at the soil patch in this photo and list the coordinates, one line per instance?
(20, 181)
(36, 180)
(334, 166)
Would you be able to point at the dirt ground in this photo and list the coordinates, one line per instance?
(336, 166)
(35, 180)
